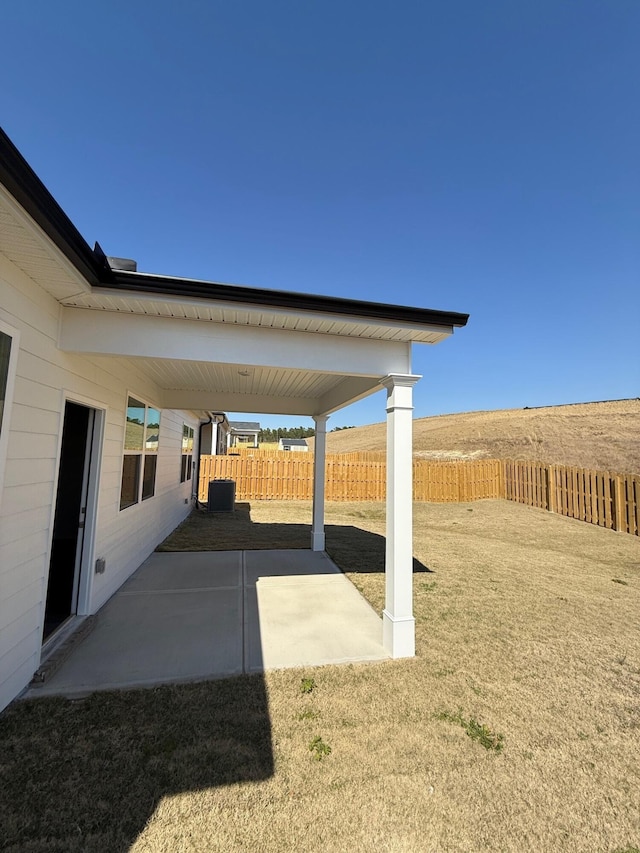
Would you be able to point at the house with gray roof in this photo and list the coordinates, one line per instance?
(243, 433)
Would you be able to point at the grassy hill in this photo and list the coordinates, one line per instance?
(604, 436)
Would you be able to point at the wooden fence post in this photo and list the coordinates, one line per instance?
(551, 489)
(619, 504)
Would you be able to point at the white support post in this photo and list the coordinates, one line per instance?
(319, 456)
(398, 624)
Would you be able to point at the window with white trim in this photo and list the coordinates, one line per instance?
(140, 458)
(186, 464)
(9, 340)
(6, 342)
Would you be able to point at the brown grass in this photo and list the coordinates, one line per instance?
(602, 436)
(521, 628)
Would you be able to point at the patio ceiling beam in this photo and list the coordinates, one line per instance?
(232, 402)
(350, 390)
(116, 333)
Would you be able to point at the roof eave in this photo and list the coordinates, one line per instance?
(243, 295)
(29, 191)
(32, 195)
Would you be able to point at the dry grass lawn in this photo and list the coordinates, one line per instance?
(516, 727)
(604, 436)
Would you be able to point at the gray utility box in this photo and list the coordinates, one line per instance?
(222, 495)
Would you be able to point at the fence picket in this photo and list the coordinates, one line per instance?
(599, 497)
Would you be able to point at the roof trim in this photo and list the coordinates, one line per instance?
(32, 195)
(29, 191)
(215, 291)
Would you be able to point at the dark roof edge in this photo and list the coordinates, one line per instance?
(150, 283)
(29, 191)
(32, 195)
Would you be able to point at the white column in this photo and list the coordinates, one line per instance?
(319, 456)
(398, 624)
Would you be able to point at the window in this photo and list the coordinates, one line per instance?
(140, 453)
(5, 357)
(9, 339)
(187, 453)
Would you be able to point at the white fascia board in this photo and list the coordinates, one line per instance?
(47, 244)
(194, 301)
(106, 333)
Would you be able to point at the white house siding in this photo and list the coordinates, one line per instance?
(44, 375)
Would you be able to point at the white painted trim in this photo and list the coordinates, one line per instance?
(319, 458)
(5, 424)
(141, 398)
(83, 605)
(85, 588)
(134, 335)
(398, 632)
(398, 635)
(219, 305)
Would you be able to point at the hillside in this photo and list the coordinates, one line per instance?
(603, 436)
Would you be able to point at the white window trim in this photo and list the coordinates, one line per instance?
(141, 398)
(188, 453)
(14, 334)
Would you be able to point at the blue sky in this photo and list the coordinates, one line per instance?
(470, 156)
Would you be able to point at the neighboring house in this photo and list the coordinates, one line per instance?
(243, 434)
(299, 444)
(214, 435)
(106, 376)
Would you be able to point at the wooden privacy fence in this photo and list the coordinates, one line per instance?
(598, 497)
(349, 477)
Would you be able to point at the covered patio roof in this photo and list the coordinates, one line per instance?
(207, 344)
(212, 346)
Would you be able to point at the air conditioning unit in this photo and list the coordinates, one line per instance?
(222, 496)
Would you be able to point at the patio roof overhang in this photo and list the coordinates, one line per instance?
(230, 366)
(211, 346)
(207, 345)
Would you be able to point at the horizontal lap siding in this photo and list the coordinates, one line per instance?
(123, 538)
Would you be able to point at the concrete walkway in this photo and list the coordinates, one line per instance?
(185, 616)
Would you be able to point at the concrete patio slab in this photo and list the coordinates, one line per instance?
(187, 570)
(307, 620)
(186, 616)
(259, 564)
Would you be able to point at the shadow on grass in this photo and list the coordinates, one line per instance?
(351, 548)
(87, 775)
